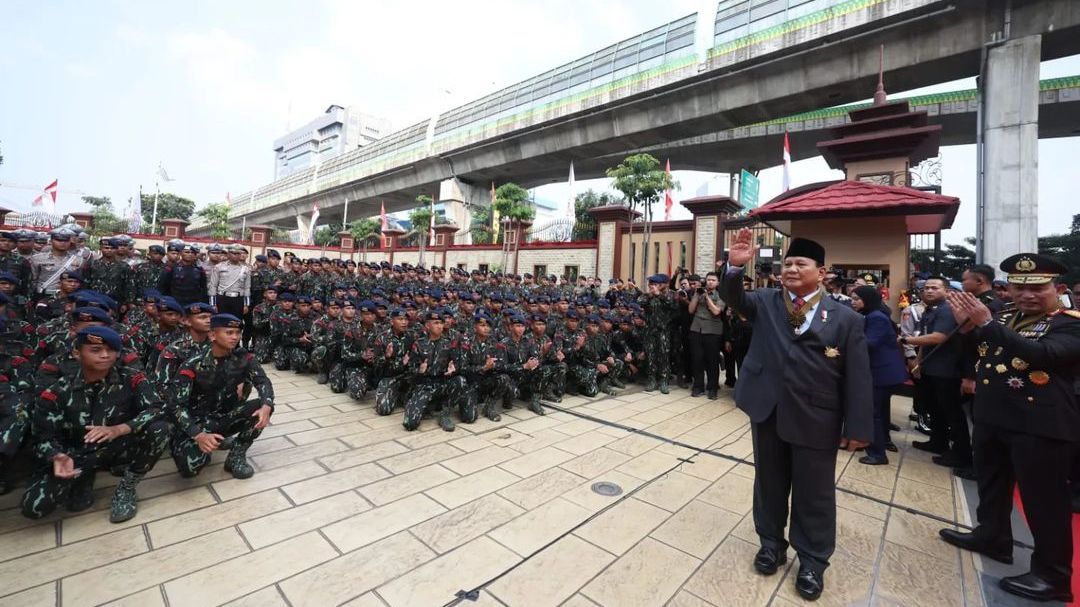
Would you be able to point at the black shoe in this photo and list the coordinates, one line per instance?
(930, 446)
(713, 395)
(949, 460)
(894, 428)
(967, 473)
(913, 417)
(969, 541)
(768, 560)
(81, 494)
(696, 393)
(1031, 586)
(873, 461)
(891, 447)
(809, 583)
(729, 384)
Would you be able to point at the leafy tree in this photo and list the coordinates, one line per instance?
(954, 259)
(365, 232)
(170, 206)
(217, 217)
(585, 224)
(481, 225)
(642, 182)
(421, 218)
(326, 236)
(1066, 249)
(511, 201)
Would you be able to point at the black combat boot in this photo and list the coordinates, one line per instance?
(124, 500)
(236, 463)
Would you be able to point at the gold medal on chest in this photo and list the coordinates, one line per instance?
(1019, 364)
(983, 349)
(832, 352)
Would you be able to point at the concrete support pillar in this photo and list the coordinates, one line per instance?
(1011, 154)
(457, 198)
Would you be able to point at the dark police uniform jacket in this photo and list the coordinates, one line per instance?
(1026, 373)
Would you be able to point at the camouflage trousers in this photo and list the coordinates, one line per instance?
(323, 358)
(140, 451)
(238, 420)
(359, 380)
(296, 358)
(528, 383)
(556, 378)
(443, 394)
(263, 347)
(658, 353)
(490, 388)
(588, 381)
(14, 422)
(390, 393)
(339, 378)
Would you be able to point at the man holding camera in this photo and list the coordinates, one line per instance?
(706, 335)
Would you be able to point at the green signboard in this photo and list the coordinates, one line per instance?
(748, 190)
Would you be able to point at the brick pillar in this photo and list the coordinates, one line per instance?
(260, 236)
(83, 220)
(444, 239)
(173, 228)
(609, 253)
(348, 244)
(708, 244)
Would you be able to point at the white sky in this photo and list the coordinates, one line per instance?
(97, 94)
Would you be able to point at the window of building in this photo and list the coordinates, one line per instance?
(482, 267)
(440, 239)
(571, 272)
(539, 271)
(386, 242)
(461, 266)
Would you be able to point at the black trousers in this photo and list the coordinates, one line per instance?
(948, 424)
(705, 361)
(806, 475)
(230, 305)
(1041, 468)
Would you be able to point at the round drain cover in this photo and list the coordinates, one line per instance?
(606, 488)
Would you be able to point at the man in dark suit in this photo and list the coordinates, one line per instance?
(805, 384)
(1027, 423)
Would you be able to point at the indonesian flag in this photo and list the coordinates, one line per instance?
(787, 163)
(47, 197)
(668, 201)
(382, 216)
(314, 221)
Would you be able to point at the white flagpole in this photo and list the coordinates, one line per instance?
(153, 216)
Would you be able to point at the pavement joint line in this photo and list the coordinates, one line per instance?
(714, 453)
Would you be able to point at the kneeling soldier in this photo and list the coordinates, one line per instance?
(96, 416)
(433, 360)
(209, 406)
(483, 359)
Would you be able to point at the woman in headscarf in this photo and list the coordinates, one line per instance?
(886, 367)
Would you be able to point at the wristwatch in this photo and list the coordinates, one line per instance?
(903, 340)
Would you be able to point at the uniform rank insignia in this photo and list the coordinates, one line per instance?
(983, 349)
(1019, 364)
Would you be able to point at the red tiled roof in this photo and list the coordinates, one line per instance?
(855, 198)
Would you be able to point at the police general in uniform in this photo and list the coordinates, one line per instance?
(1027, 423)
(806, 384)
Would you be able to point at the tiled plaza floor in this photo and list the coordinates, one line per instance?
(348, 508)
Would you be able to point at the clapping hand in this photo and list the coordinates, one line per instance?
(450, 369)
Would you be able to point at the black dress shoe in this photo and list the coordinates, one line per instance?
(713, 395)
(873, 461)
(769, 560)
(930, 446)
(891, 447)
(809, 583)
(949, 460)
(1031, 586)
(968, 541)
(697, 393)
(894, 428)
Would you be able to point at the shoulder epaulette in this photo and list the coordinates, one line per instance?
(1072, 313)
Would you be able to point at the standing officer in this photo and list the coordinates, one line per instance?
(660, 309)
(47, 266)
(230, 283)
(1027, 423)
(185, 280)
(146, 275)
(806, 384)
(12, 261)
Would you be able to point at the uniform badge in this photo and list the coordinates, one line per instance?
(832, 352)
(1019, 364)
(1000, 368)
(983, 349)
(998, 351)
(1015, 382)
(1039, 378)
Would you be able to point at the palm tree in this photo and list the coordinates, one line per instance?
(363, 231)
(511, 201)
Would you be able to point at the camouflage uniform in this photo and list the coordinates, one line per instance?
(60, 416)
(586, 378)
(394, 380)
(20, 267)
(14, 413)
(111, 278)
(174, 355)
(144, 276)
(326, 350)
(490, 386)
(262, 343)
(432, 388)
(338, 379)
(659, 314)
(532, 383)
(206, 400)
(360, 373)
(291, 353)
(552, 369)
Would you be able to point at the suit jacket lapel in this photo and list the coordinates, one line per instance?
(816, 323)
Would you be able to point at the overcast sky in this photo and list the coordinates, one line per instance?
(97, 94)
